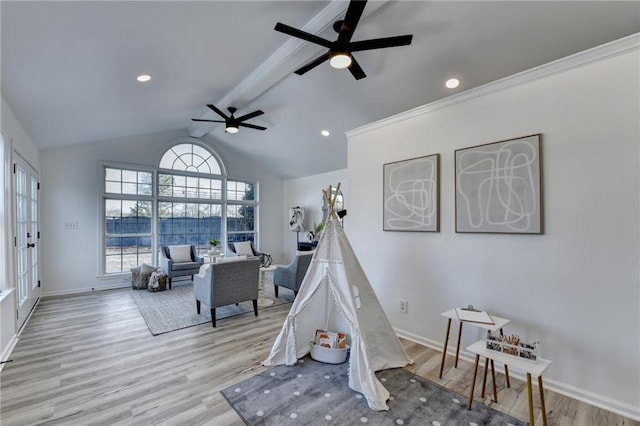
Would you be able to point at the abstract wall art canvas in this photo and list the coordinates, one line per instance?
(499, 187)
(411, 195)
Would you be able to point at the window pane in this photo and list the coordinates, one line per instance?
(113, 174)
(240, 191)
(112, 187)
(190, 157)
(129, 176)
(129, 188)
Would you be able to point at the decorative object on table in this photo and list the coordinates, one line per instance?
(296, 221)
(411, 195)
(158, 281)
(336, 287)
(511, 345)
(265, 260)
(324, 397)
(498, 187)
(314, 235)
(470, 314)
(215, 250)
(140, 276)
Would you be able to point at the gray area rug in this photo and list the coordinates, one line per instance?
(313, 393)
(174, 309)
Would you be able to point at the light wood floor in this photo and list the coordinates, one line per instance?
(90, 359)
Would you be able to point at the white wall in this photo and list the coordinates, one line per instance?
(16, 139)
(70, 193)
(577, 287)
(307, 192)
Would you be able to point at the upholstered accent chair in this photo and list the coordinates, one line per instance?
(179, 261)
(291, 275)
(227, 282)
(245, 248)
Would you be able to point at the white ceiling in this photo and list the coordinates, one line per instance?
(69, 68)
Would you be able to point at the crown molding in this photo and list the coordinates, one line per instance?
(598, 53)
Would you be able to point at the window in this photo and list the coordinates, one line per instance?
(241, 211)
(128, 212)
(188, 200)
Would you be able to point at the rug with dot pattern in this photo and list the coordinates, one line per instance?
(313, 393)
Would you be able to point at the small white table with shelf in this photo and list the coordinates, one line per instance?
(531, 368)
(498, 324)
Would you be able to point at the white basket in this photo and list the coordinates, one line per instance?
(517, 351)
(329, 355)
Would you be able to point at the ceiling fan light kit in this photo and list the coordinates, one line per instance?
(340, 60)
(340, 51)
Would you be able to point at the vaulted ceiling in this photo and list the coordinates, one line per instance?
(69, 68)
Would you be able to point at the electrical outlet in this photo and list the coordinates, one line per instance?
(403, 306)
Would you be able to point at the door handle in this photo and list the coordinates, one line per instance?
(31, 245)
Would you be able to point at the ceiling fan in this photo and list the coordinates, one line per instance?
(233, 124)
(340, 51)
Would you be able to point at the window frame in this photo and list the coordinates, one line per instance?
(155, 198)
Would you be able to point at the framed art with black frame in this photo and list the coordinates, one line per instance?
(499, 187)
(411, 195)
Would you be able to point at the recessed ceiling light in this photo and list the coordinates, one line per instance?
(325, 133)
(143, 77)
(452, 83)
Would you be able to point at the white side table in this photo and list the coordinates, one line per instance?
(451, 315)
(262, 300)
(536, 368)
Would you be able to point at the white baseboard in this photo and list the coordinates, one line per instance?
(582, 395)
(7, 352)
(79, 290)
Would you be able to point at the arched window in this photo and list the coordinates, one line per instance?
(191, 158)
(188, 198)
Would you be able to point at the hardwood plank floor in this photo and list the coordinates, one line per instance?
(90, 359)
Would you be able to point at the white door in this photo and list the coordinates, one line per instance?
(26, 237)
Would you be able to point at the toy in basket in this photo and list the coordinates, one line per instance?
(330, 348)
(511, 345)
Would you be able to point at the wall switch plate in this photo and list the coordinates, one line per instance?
(403, 306)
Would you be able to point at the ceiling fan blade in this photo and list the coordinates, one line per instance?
(252, 126)
(311, 65)
(356, 70)
(294, 32)
(380, 43)
(211, 121)
(351, 19)
(217, 111)
(250, 115)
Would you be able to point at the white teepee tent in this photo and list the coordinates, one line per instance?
(336, 295)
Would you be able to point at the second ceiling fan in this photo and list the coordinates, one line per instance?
(233, 124)
(340, 51)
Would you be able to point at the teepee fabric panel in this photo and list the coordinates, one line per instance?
(336, 295)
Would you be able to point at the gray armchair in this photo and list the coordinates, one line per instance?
(291, 275)
(232, 249)
(179, 267)
(226, 283)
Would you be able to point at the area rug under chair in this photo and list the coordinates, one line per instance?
(313, 393)
(175, 309)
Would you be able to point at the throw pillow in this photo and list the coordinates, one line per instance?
(243, 248)
(180, 253)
